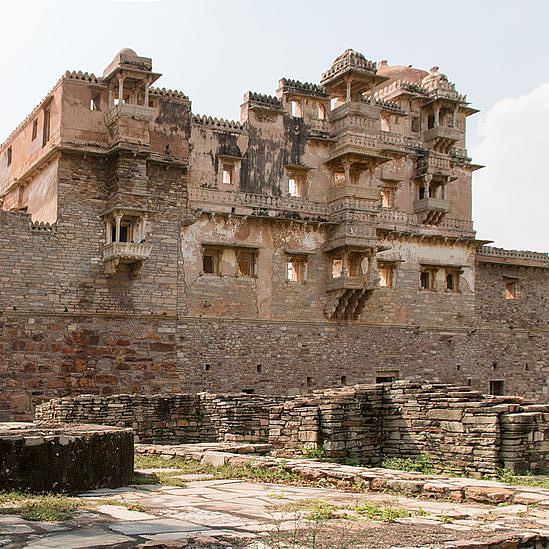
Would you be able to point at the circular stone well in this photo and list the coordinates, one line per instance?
(64, 457)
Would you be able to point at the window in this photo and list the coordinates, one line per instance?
(452, 280)
(210, 261)
(510, 289)
(296, 269)
(386, 198)
(228, 174)
(246, 263)
(94, 103)
(321, 114)
(386, 275)
(296, 186)
(385, 379)
(339, 179)
(497, 387)
(337, 268)
(426, 280)
(430, 121)
(297, 109)
(8, 156)
(34, 128)
(416, 126)
(46, 128)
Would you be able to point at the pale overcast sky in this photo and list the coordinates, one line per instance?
(214, 51)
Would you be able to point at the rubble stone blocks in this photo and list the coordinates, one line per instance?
(55, 457)
(473, 433)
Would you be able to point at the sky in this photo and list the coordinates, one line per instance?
(214, 51)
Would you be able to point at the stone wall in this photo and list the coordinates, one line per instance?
(65, 354)
(181, 418)
(460, 429)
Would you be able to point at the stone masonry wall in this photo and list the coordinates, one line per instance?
(181, 418)
(459, 429)
(65, 354)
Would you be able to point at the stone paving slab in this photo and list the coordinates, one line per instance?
(378, 479)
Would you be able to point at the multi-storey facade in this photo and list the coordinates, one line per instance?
(326, 238)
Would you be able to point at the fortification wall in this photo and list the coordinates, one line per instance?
(459, 429)
(47, 355)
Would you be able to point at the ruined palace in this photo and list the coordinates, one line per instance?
(324, 239)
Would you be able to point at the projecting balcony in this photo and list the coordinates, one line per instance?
(361, 109)
(431, 211)
(442, 132)
(128, 110)
(434, 164)
(357, 192)
(361, 282)
(129, 253)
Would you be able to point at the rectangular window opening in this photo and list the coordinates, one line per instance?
(246, 263)
(34, 129)
(94, 103)
(386, 275)
(337, 268)
(497, 387)
(426, 280)
(8, 156)
(510, 289)
(452, 281)
(296, 186)
(295, 269)
(339, 179)
(46, 128)
(416, 124)
(210, 261)
(321, 114)
(228, 174)
(297, 109)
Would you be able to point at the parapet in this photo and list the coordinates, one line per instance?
(520, 258)
(287, 85)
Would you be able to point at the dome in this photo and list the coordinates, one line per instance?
(127, 51)
(401, 72)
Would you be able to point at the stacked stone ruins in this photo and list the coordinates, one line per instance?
(323, 240)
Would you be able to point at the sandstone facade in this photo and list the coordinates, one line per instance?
(324, 239)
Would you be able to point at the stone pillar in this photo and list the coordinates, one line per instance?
(120, 90)
(437, 116)
(146, 94)
(348, 96)
(346, 169)
(117, 218)
(111, 97)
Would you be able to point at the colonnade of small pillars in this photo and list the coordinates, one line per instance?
(133, 94)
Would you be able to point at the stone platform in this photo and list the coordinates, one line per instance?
(64, 457)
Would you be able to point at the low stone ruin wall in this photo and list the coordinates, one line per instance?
(170, 418)
(60, 457)
(458, 428)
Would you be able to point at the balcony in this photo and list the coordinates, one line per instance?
(434, 164)
(361, 282)
(128, 110)
(442, 132)
(431, 211)
(361, 109)
(130, 253)
(357, 192)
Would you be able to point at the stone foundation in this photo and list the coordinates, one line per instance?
(460, 429)
(59, 457)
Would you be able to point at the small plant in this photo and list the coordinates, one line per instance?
(46, 508)
(421, 464)
(314, 453)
